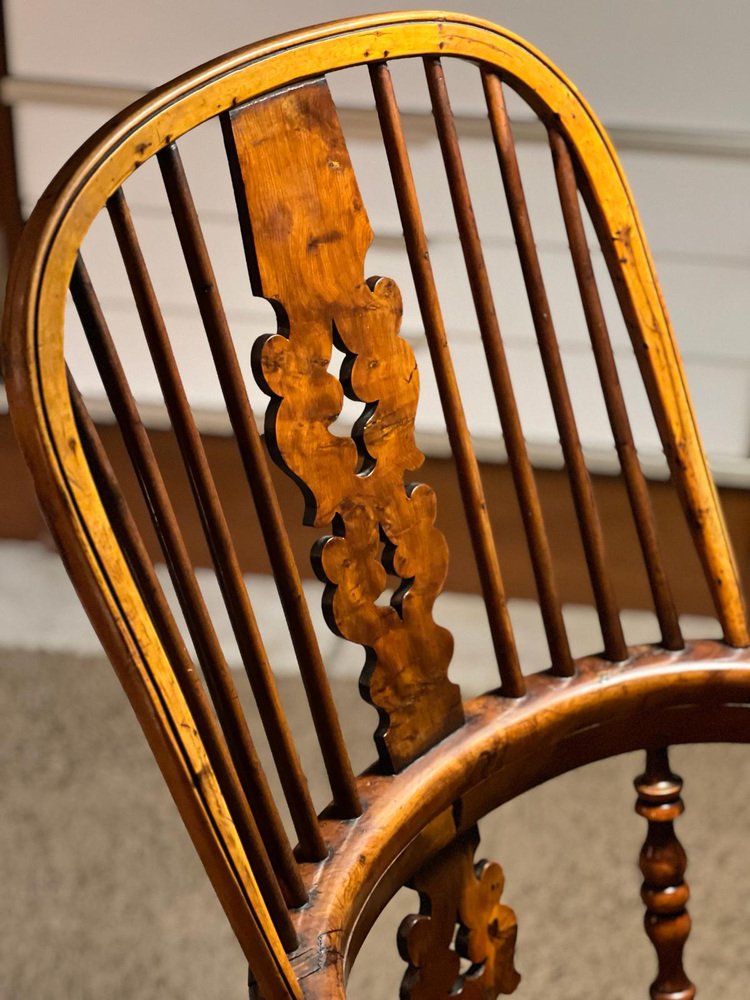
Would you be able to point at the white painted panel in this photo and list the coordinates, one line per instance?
(695, 208)
(709, 305)
(710, 330)
(662, 63)
(721, 394)
(692, 205)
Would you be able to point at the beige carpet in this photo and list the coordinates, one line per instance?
(103, 897)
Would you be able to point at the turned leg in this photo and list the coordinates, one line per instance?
(663, 862)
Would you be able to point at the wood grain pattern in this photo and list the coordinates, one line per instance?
(306, 235)
(700, 694)
(505, 745)
(663, 862)
(460, 917)
(275, 537)
(680, 560)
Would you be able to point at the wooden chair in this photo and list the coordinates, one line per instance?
(301, 915)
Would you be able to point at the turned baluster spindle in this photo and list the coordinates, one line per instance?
(663, 862)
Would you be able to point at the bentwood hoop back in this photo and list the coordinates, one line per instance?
(301, 915)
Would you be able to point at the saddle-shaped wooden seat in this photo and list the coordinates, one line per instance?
(301, 914)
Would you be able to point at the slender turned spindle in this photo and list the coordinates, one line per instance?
(523, 475)
(150, 589)
(580, 481)
(216, 530)
(663, 863)
(325, 718)
(635, 482)
(513, 684)
(205, 640)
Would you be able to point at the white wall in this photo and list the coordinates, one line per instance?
(674, 64)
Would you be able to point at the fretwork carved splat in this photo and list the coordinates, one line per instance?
(663, 862)
(306, 234)
(461, 917)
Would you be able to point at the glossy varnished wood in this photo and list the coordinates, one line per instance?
(497, 746)
(700, 694)
(307, 233)
(643, 515)
(453, 890)
(206, 724)
(663, 862)
(226, 564)
(589, 521)
(179, 106)
(200, 626)
(274, 534)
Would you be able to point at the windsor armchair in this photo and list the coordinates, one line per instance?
(442, 764)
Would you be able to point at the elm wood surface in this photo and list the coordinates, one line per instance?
(306, 235)
(21, 519)
(228, 571)
(206, 723)
(663, 863)
(201, 629)
(453, 890)
(651, 697)
(700, 694)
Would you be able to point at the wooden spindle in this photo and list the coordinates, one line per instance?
(229, 574)
(640, 502)
(580, 481)
(203, 634)
(140, 564)
(663, 863)
(325, 717)
(518, 459)
(472, 494)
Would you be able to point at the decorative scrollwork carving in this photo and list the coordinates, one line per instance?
(307, 232)
(461, 917)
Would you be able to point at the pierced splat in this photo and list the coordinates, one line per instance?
(663, 863)
(306, 234)
(461, 918)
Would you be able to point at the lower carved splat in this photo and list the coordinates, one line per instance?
(461, 918)
(663, 863)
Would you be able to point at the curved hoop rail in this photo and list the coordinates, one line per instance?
(306, 232)
(700, 694)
